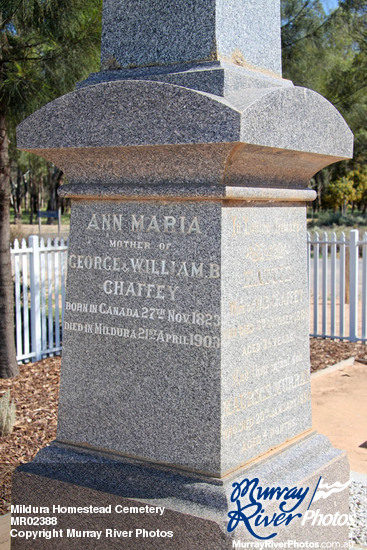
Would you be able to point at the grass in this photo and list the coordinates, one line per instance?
(337, 222)
(65, 218)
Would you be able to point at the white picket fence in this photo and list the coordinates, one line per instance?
(338, 286)
(39, 271)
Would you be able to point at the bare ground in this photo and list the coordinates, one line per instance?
(328, 352)
(35, 392)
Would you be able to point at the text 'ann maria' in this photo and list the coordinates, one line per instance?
(145, 224)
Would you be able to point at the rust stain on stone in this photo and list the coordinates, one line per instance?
(110, 64)
(237, 58)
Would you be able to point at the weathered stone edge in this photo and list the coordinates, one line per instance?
(185, 193)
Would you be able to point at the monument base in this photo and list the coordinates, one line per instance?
(106, 501)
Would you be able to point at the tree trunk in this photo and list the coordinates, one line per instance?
(26, 194)
(40, 192)
(54, 178)
(18, 214)
(8, 362)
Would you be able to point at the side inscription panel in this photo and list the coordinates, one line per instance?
(265, 353)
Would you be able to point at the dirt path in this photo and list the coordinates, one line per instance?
(339, 410)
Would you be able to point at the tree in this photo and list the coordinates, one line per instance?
(45, 47)
(339, 194)
(359, 181)
(327, 52)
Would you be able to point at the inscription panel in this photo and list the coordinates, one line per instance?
(142, 325)
(264, 347)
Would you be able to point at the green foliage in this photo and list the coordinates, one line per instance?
(339, 194)
(346, 191)
(24, 219)
(45, 46)
(328, 53)
(7, 414)
(336, 219)
(359, 181)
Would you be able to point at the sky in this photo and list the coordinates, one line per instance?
(330, 5)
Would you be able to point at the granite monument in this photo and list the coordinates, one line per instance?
(185, 372)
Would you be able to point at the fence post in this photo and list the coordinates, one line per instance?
(316, 252)
(364, 285)
(17, 305)
(342, 282)
(59, 221)
(353, 284)
(325, 250)
(333, 286)
(34, 274)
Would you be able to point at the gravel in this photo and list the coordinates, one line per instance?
(358, 513)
